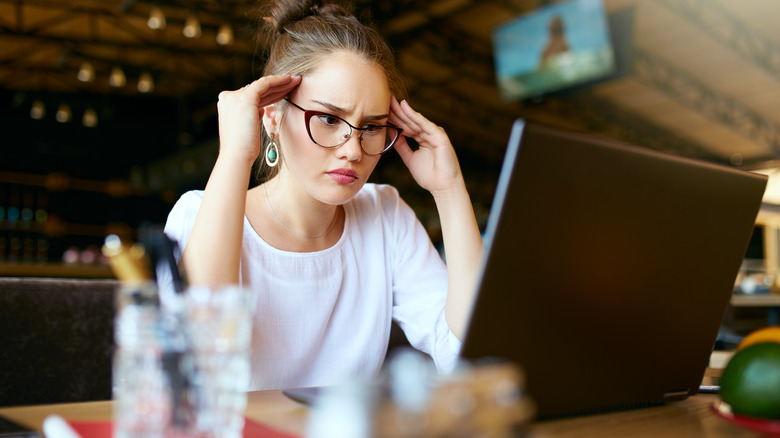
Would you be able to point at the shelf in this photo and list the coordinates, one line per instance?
(769, 301)
(56, 270)
(59, 182)
(58, 228)
(755, 300)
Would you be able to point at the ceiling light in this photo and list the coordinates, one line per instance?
(86, 72)
(90, 119)
(156, 19)
(225, 34)
(117, 78)
(145, 82)
(38, 110)
(191, 26)
(63, 113)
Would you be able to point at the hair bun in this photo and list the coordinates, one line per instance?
(286, 12)
(320, 7)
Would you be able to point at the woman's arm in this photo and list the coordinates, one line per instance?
(435, 168)
(464, 250)
(212, 255)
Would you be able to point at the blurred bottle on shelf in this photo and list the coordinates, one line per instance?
(14, 248)
(3, 206)
(13, 213)
(27, 210)
(42, 250)
(28, 248)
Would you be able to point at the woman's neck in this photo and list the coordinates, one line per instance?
(288, 218)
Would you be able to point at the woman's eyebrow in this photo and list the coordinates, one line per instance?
(340, 110)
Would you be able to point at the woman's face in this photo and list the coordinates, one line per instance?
(346, 86)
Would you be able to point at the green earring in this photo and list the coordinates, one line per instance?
(272, 154)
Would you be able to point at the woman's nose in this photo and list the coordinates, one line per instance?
(351, 149)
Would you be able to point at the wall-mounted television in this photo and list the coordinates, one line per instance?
(555, 47)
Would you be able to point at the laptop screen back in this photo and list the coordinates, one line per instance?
(608, 270)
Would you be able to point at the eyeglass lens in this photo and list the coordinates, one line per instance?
(330, 131)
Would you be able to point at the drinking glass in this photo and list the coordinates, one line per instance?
(181, 365)
(219, 328)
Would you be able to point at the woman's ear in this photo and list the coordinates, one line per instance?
(271, 119)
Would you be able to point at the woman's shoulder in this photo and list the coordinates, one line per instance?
(189, 200)
(191, 196)
(186, 206)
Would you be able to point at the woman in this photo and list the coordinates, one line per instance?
(331, 258)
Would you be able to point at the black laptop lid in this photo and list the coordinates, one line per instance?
(609, 268)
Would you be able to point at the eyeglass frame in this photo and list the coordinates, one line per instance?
(308, 114)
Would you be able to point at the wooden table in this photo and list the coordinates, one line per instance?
(687, 418)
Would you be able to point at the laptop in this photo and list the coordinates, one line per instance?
(608, 269)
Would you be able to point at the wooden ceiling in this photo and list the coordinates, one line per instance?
(703, 81)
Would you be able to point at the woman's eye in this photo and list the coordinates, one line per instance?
(373, 129)
(329, 120)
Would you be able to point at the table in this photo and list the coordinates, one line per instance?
(686, 418)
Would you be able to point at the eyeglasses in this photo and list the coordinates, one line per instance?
(331, 131)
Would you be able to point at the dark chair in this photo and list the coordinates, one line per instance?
(56, 340)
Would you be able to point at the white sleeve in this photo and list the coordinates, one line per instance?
(178, 228)
(420, 286)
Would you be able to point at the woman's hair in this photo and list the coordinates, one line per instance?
(300, 34)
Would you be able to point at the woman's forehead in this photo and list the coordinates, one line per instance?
(348, 82)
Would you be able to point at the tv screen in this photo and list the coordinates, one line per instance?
(555, 47)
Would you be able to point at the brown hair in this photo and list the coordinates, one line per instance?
(302, 33)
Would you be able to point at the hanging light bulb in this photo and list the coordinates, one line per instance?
(191, 26)
(225, 34)
(38, 110)
(117, 77)
(86, 72)
(90, 119)
(156, 18)
(63, 113)
(145, 82)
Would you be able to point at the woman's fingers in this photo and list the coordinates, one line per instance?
(401, 115)
(278, 88)
(273, 83)
(266, 90)
(271, 97)
(414, 124)
(403, 149)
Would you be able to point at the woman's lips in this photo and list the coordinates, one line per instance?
(343, 176)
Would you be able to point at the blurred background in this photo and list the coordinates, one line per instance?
(108, 107)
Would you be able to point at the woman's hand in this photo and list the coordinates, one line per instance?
(434, 165)
(241, 114)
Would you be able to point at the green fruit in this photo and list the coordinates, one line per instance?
(751, 381)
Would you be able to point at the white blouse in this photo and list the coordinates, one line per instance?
(324, 317)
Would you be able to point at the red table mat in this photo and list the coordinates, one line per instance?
(104, 429)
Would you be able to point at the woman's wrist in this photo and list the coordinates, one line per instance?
(456, 189)
(236, 159)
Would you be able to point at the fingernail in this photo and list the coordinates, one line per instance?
(296, 75)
